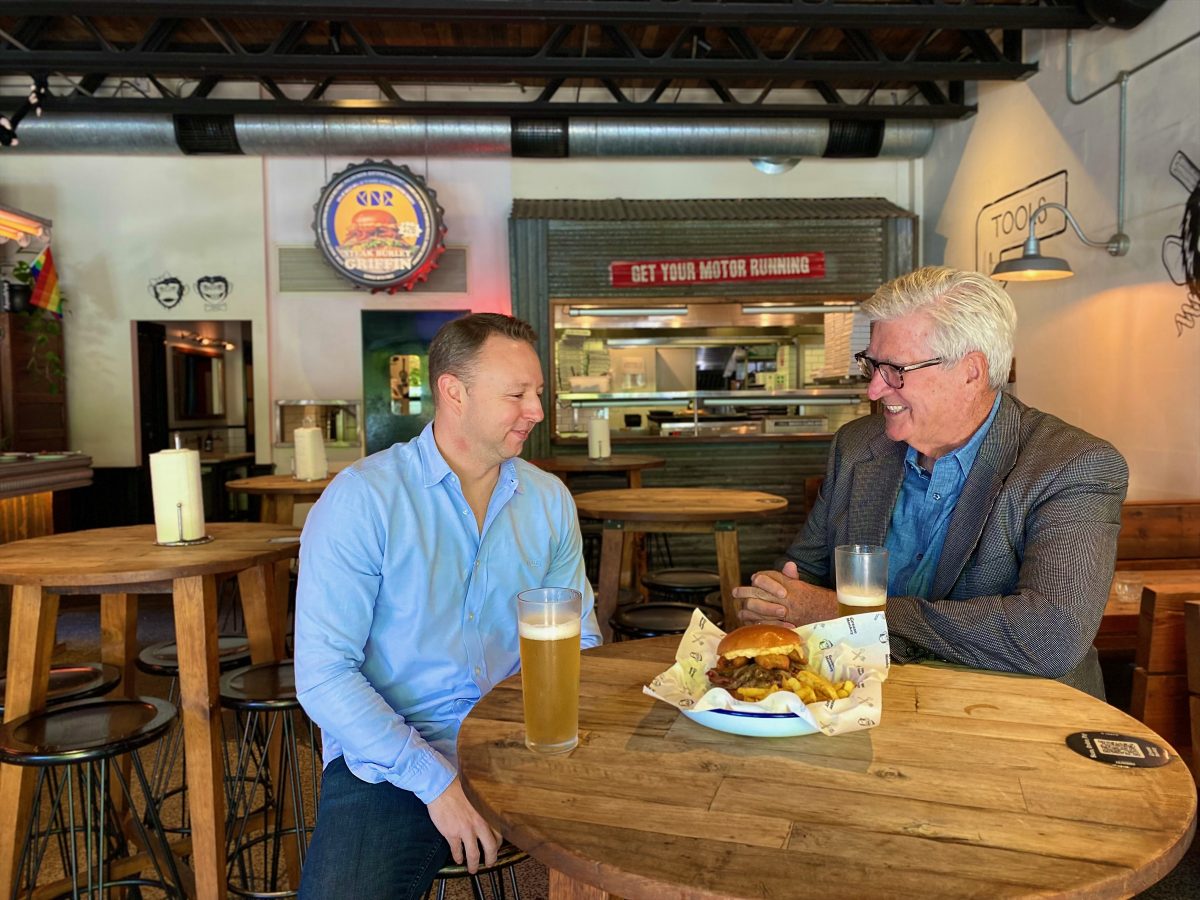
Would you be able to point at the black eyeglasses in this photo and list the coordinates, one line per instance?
(893, 375)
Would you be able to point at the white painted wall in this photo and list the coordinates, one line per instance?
(315, 339)
(1100, 349)
(120, 222)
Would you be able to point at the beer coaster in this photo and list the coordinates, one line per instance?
(1118, 749)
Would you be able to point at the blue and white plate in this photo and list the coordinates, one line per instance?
(752, 724)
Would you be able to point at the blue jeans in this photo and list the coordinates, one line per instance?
(371, 842)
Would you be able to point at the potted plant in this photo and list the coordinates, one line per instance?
(43, 326)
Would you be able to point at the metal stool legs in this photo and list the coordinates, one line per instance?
(269, 778)
(506, 860)
(83, 806)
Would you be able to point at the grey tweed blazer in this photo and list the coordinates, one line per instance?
(1025, 571)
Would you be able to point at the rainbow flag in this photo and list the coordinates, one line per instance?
(45, 284)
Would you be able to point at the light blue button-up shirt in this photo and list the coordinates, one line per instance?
(921, 516)
(406, 612)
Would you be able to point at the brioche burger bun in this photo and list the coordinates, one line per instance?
(755, 661)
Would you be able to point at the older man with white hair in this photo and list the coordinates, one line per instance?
(1000, 521)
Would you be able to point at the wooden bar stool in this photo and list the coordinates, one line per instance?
(81, 794)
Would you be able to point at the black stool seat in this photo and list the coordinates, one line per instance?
(265, 687)
(651, 619)
(690, 585)
(84, 731)
(233, 650)
(506, 857)
(77, 681)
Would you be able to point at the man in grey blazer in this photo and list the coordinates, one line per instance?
(1001, 521)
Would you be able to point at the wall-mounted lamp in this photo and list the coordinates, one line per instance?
(766, 309)
(627, 310)
(203, 340)
(1032, 266)
(19, 226)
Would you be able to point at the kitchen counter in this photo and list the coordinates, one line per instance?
(219, 459)
(34, 473)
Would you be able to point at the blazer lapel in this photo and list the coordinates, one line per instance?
(873, 492)
(997, 455)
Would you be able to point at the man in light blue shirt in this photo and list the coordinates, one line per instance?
(406, 613)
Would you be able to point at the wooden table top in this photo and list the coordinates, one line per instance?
(966, 788)
(677, 504)
(128, 555)
(579, 464)
(278, 484)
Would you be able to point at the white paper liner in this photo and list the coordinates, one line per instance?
(851, 648)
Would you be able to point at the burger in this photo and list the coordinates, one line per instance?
(755, 661)
(373, 229)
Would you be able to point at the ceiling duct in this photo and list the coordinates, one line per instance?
(152, 134)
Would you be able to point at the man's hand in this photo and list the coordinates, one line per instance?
(463, 828)
(776, 597)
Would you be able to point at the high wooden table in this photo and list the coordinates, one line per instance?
(279, 493)
(118, 564)
(714, 511)
(633, 560)
(965, 788)
(629, 464)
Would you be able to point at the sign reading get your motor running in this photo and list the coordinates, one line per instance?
(716, 269)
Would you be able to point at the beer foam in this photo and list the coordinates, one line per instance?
(847, 599)
(534, 632)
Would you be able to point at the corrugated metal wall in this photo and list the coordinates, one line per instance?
(580, 254)
(563, 248)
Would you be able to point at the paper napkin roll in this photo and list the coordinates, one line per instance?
(311, 463)
(599, 439)
(175, 485)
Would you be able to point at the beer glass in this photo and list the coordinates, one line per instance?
(548, 620)
(862, 578)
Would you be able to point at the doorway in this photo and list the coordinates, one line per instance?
(196, 383)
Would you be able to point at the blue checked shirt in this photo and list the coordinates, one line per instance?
(921, 516)
(406, 612)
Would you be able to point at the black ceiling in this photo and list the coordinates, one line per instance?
(834, 59)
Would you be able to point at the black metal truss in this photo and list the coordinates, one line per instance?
(718, 45)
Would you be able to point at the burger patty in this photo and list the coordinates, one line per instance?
(764, 671)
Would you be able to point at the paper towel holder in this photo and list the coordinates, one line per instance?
(183, 542)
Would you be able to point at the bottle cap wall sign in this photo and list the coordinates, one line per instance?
(380, 226)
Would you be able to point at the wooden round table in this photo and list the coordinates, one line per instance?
(965, 788)
(629, 464)
(118, 564)
(279, 493)
(714, 511)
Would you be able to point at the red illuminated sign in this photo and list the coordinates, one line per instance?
(716, 269)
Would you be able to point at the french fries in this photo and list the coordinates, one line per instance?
(808, 686)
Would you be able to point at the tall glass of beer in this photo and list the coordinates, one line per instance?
(862, 578)
(548, 619)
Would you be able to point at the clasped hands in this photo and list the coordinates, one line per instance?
(776, 597)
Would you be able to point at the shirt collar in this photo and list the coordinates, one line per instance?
(964, 455)
(434, 467)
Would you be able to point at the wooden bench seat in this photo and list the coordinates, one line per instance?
(1159, 534)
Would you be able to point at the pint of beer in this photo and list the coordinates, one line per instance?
(862, 578)
(548, 619)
